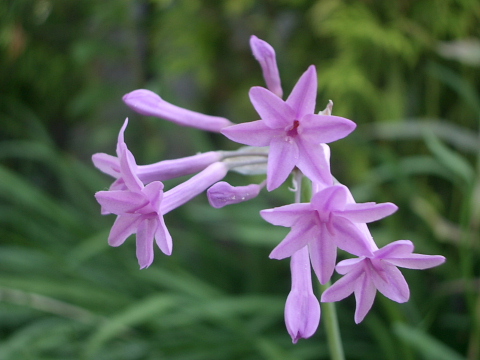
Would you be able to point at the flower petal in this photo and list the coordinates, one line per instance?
(304, 94)
(163, 237)
(330, 198)
(367, 212)
(348, 238)
(399, 248)
(417, 261)
(123, 227)
(323, 254)
(120, 202)
(128, 169)
(282, 159)
(145, 233)
(365, 292)
(254, 133)
(389, 281)
(286, 215)
(348, 265)
(325, 129)
(107, 163)
(299, 236)
(342, 287)
(274, 111)
(313, 162)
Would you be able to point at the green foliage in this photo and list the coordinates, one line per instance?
(64, 65)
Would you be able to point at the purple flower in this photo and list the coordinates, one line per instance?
(148, 103)
(293, 132)
(365, 275)
(138, 210)
(327, 222)
(265, 55)
(302, 310)
(222, 193)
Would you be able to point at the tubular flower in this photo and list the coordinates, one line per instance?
(222, 194)
(365, 275)
(302, 310)
(324, 224)
(294, 133)
(148, 103)
(265, 55)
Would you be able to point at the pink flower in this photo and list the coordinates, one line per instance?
(222, 194)
(148, 103)
(327, 222)
(365, 275)
(294, 133)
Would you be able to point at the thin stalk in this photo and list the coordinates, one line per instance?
(330, 322)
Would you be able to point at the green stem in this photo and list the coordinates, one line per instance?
(330, 321)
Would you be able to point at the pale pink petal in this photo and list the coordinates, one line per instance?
(342, 287)
(348, 237)
(286, 215)
(120, 202)
(281, 160)
(323, 254)
(348, 265)
(145, 233)
(367, 212)
(163, 237)
(417, 261)
(330, 198)
(265, 55)
(313, 162)
(399, 248)
(154, 193)
(254, 133)
(365, 292)
(128, 168)
(274, 111)
(299, 236)
(121, 138)
(123, 227)
(324, 129)
(303, 96)
(108, 164)
(148, 103)
(389, 281)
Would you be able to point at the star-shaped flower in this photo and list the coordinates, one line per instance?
(327, 222)
(365, 275)
(138, 210)
(292, 130)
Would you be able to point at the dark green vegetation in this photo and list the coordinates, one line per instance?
(397, 68)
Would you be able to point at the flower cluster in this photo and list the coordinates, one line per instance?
(290, 138)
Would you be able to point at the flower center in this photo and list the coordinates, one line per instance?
(293, 132)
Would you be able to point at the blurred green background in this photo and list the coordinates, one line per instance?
(406, 71)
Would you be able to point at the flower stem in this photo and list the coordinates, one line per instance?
(330, 321)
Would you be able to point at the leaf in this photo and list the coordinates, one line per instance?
(425, 344)
(450, 159)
